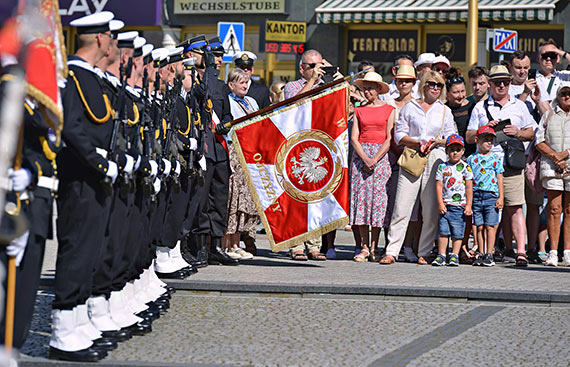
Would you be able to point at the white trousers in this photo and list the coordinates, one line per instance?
(409, 187)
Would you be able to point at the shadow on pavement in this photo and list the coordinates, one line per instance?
(541, 268)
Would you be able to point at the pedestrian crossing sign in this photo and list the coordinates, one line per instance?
(232, 36)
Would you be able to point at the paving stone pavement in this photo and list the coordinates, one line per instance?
(284, 331)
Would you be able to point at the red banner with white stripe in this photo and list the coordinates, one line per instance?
(296, 163)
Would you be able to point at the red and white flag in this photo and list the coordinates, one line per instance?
(295, 159)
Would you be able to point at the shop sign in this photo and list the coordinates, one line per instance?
(285, 31)
(450, 45)
(132, 12)
(381, 45)
(228, 6)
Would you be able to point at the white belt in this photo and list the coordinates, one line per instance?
(101, 152)
(50, 183)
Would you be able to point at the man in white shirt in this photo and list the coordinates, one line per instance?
(549, 79)
(498, 107)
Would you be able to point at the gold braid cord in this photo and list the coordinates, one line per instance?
(137, 115)
(89, 112)
(189, 125)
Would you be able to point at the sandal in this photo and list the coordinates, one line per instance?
(299, 256)
(521, 260)
(543, 256)
(317, 256)
(387, 260)
(374, 256)
(362, 257)
(422, 261)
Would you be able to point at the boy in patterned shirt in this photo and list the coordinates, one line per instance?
(487, 192)
(454, 190)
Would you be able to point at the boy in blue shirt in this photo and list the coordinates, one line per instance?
(487, 192)
(454, 190)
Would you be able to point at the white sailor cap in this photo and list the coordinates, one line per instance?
(115, 26)
(138, 44)
(127, 39)
(147, 53)
(159, 55)
(175, 54)
(244, 58)
(93, 23)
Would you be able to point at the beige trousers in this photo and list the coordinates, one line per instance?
(312, 246)
(409, 187)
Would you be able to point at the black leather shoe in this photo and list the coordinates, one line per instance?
(84, 355)
(179, 274)
(157, 307)
(149, 315)
(119, 335)
(217, 254)
(141, 328)
(170, 290)
(105, 343)
(191, 259)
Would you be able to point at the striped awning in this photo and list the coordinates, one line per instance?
(400, 11)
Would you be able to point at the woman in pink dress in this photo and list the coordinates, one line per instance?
(370, 138)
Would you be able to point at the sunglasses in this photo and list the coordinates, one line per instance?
(398, 80)
(549, 55)
(312, 65)
(439, 70)
(505, 82)
(434, 85)
(457, 80)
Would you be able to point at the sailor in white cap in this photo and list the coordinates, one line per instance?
(85, 172)
(245, 60)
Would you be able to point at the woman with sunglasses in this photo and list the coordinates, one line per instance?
(553, 141)
(423, 125)
(370, 137)
(405, 80)
(458, 104)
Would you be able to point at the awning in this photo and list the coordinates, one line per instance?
(389, 11)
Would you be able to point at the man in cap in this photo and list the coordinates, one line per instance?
(440, 64)
(84, 203)
(492, 111)
(245, 60)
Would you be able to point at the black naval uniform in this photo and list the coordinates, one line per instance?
(260, 93)
(84, 202)
(38, 157)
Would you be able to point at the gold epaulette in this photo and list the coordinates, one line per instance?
(89, 112)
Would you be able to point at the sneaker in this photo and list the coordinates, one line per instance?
(409, 255)
(509, 256)
(453, 260)
(488, 260)
(478, 259)
(233, 254)
(439, 260)
(566, 259)
(244, 255)
(331, 254)
(552, 258)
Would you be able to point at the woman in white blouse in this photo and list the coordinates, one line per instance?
(422, 125)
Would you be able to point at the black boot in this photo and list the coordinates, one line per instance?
(217, 255)
(187, 255)
(201, 244)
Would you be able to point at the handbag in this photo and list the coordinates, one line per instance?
(514, 149)
(414, 162)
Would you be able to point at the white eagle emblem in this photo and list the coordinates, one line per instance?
(309, 167)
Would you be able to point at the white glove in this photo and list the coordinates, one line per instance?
(21, 178)
(167, 167)
(193, 144)
(17, 247)
(112, 171)
(153, 168)
(130, 165)
(156, 185)
(178, 169)
(202, 163)
(137, 163)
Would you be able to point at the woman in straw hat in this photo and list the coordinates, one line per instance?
(405, 80)
(370, 137)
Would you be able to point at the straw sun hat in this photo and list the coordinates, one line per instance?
(373, 78)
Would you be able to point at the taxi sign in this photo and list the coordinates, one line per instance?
(505, 41)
